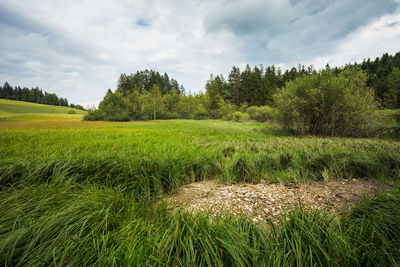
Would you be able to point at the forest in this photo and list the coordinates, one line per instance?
(34, 95)
(149, 95)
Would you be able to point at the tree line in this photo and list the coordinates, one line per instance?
(34, 95)
(383, 76)
(255, 86)
(150, 95)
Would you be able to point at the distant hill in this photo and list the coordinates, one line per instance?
(13, 107)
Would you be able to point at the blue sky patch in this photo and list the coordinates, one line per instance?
(143, 23)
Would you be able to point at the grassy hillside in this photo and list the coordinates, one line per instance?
(13, 108)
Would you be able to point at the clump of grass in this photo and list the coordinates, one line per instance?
(373, 227)
(58, 225)
(86, 225)
(309, 239)
(144, 177)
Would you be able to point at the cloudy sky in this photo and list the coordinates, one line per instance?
(78, 49)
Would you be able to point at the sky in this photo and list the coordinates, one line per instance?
(78, 49)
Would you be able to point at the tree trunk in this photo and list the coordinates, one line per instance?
(154, 108)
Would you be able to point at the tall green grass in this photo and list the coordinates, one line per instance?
(83, 194)
(154, 158)
(81, 225)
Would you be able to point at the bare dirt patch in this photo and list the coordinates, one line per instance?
(263, 201)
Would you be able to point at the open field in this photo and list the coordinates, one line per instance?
(88, 193)
(13, 108)
(154, 158)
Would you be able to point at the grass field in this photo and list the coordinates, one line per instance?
(86, 193)
(153, 158)
(14, 108)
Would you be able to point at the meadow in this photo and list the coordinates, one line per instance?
(88, 193)
(10, 107)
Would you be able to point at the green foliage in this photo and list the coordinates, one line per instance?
(262, 114)
(255, 87)
(240, 116)
(200, 112)
(251, 86)
(237, 116)
(392, 95)
(214, 88)
(327, 104)
(158, 104)
(145, 80)
(94, 115)
(245, 117)
(186, 107)
(124, 116)
(163, 100)
(226, 110)
(383, 77)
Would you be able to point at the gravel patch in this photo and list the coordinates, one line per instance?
(269, 201)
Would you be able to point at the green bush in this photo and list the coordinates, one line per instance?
(236, 116)
(98, 114)
(262, 114)
(119, 117)
(200, 113)
(239, 116)
(94, 115)
(327, 104)
(226, 110)
(245, 117)
(71, 112)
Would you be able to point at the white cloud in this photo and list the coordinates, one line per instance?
(77, 49)
(378, 37)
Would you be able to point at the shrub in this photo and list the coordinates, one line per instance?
(226, 110)
(200, 113)
(261, 114)
(245, 117)
(119, 117)
(236, 116)
(94, 115)
(239, 116)
(327, 104)
(170, 115)
(228, 116)
(71, 112)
